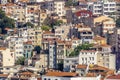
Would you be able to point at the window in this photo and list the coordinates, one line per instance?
(48, 79)
(67, 61)
(45, 79)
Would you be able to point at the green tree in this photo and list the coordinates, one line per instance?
(37, 49)
(118, 22)
(79, 48)
(57, 22)
(45, 28)
(20, 61)
(69, 3)
(5, 22)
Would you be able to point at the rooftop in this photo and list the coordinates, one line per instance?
(114, 77)
(61, 74)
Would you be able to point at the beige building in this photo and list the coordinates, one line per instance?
(63, 31)
(42, 63)
(103, 24)
(6, 56)
(35, 35)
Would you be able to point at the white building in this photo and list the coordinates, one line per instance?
(59, 7)
(16, 44)
(66, 76)
(96, 7)
(3, 1)
(88, 57)
(109, 8)
(69, 63)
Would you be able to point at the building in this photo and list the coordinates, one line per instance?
(93, 70)
(28, 48)
(59, 6)
(3, 1)
(6, 56)
(67, 76)
(16, 44)
(99, 40)
(52, 58)
(70, 63)
(102, 57)
(88, 57)
(102, 25)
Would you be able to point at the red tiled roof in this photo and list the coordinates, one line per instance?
(83, 12)
(61, 74)
(114, 77)
(3, 75)
(28, 42)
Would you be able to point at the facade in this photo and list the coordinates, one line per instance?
(3, 1)
(88, 57)
(28, 48)
(7, 56)
(59, 7)
(102, 25)
(52, 58)
(16, 44)
(69, 63)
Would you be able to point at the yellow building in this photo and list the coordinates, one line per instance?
(35, 35)
(38, 36)
(43, 16)
(99, 40)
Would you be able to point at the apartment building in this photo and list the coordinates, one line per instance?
(96, 7)
(117, 8)
(103, 7)
(88, 57)
(28, 48)
(33, 14)
(63, 31)
(38, 36)
(102, 25)
(61, 51)
(70, 63)
(59, 7)
(109, 8)
(100, 55)
(6, 56)
(16, 44)
(82, 32)
(3, 1)
(52, 58)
